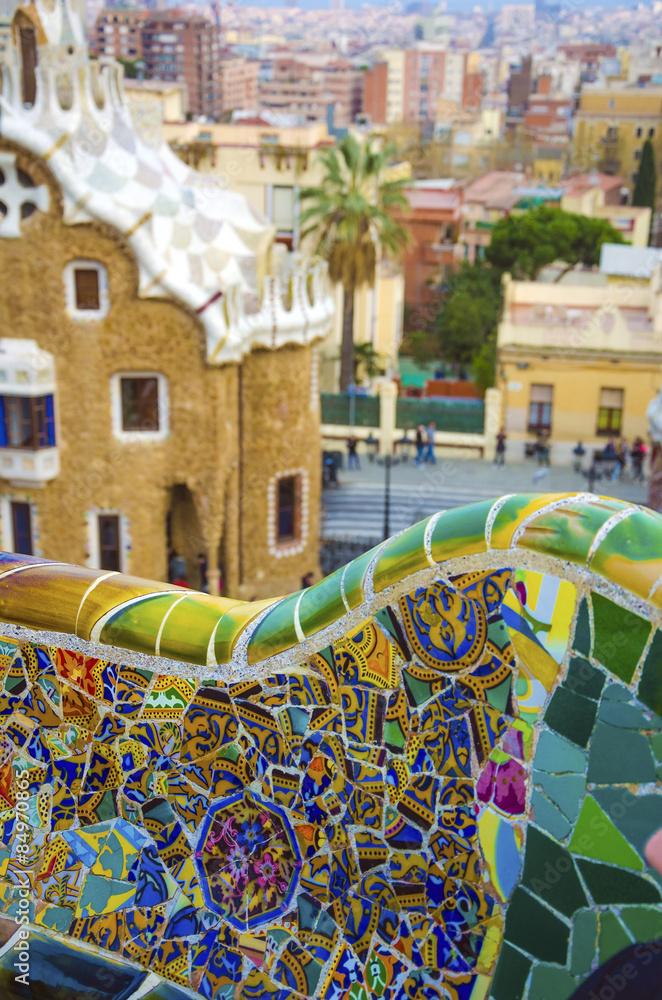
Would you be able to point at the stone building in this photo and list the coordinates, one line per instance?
(158, 384)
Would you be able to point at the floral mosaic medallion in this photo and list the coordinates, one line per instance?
(248, 860)
(446, 798)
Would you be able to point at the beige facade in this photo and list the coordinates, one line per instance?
(578, 362)
(611, 126)
(166, 101)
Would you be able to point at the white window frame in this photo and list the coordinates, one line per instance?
(135, 437)
(297, 545)
(92, 548)
(7, 525)
(86, 315)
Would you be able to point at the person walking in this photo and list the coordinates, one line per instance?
(353, 460)
(420, 444)
(429, 454)
(638, 455)
(500, 457)
(578, 451)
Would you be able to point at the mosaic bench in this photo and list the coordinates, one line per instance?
(431, 775)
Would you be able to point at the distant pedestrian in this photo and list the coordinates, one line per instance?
(202, 568)
(420, 444)
(638, 454)
(578, 451)
(500, 457)
(542, 449)
(429, 454)
(353, 460)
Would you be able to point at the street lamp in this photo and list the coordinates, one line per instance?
(388, 461)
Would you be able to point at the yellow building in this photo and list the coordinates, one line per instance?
(156, 393)
(269, 164)
(611, 126)
(578, 362)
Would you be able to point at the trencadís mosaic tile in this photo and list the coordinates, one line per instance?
(431, 776)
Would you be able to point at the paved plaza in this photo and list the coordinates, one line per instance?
(355, 506)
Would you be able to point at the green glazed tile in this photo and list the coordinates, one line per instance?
(643, 922)
(188, 629)
(596, 837)
(565, 790)
(549, 873)
(165, 991)
(629, 554)
(615, 713)
(568, 532)
(571, 715)
(461, 531)
(548, 817)
(511, 974)
(582, 638)
(354, 575)
(401, 557)
(511, 514)
(233, 624)
(656, 744)
(584, 679)
(650, 684)
(276, 632)
(322, 604)
(620, 637)
(610, 886)
(613, 937)
(137, 625)
(637, 817)
(556, 756)
(547, 981)
(533, 928)
(498, 696)
(619, 756)
(584, 942)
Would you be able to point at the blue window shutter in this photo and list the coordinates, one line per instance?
(50, 421)
(3, 425)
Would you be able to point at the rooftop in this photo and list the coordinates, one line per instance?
(629, 262)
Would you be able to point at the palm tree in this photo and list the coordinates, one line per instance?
(349, 215)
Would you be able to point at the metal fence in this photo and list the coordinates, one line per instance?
(343, 408)
(466, 417)
(337, 552)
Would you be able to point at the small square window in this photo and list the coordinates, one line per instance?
(651, 133)
(639, 132)
(86, 290)
(86, 281)
(140, 404)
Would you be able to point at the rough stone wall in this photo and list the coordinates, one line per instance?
(280, 435)
(136, 479)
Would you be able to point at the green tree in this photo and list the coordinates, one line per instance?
(367, 362)
(349, 215)
(644, 193)
(525, 244)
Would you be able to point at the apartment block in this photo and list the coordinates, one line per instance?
(405, 85)
(183, 48)
(306, 84)
(118, 34)
(611, 125)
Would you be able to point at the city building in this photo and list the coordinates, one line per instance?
(433, 221)
(162, 100)
(118, 34)
(151, 351)
(180, 47)
(405, 85)
(547, 119)
(239, 84)
(519, 86)
(611, 125)
(306, 84)
(578, 361)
